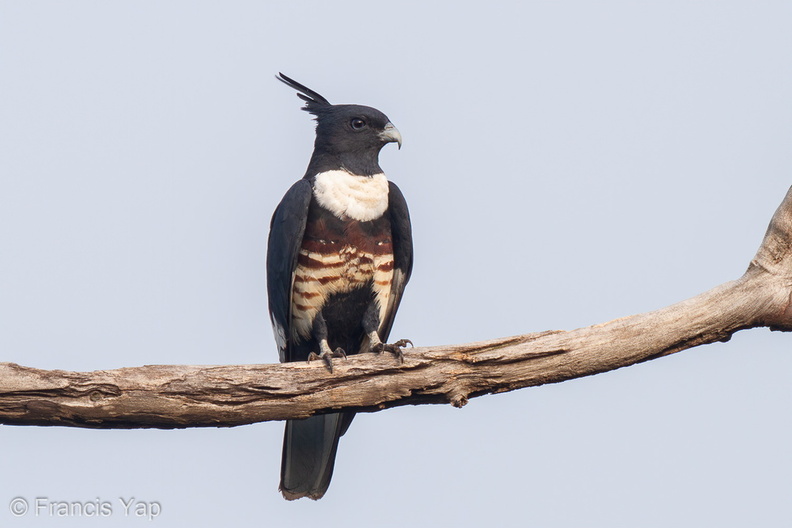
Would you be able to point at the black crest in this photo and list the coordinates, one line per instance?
(314, 103)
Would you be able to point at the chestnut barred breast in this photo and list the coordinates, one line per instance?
(338, 256)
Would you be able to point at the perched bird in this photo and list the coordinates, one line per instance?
(339, 256)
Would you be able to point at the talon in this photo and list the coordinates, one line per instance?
(327, 357)
(328, 361)
(393, 348)
(396, 350)
(399, 353)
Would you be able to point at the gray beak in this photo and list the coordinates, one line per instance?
(391, 134)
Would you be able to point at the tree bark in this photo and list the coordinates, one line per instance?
(174, 396)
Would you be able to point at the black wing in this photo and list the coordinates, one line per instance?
(401, 230)
(286, 232)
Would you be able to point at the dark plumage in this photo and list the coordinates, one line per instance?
(338, 259)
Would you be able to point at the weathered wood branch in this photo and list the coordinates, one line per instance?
(172, 396)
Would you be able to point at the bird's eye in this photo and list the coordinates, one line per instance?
(357, 123)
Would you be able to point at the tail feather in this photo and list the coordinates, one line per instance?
(309, 451)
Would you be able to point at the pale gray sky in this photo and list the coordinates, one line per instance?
(566, 163)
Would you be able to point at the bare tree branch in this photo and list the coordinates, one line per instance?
(173, 396)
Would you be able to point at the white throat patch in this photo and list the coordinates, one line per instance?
(346, 195)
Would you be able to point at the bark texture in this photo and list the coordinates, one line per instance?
(173, 396)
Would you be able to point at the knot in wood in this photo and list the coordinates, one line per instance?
(458, 398)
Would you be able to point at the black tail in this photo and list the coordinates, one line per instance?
(309, 451)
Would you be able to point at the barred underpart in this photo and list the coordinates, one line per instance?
(320, 275)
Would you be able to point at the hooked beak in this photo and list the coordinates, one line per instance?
(391, 134)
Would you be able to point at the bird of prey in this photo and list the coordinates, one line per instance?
(339, 256)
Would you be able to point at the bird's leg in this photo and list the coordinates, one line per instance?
(319, 331)
(370, 325)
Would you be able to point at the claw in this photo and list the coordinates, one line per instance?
(399, 354)
(327, 357)
(328, 361)
(393, 348)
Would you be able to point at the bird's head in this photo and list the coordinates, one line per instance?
(351, 134)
